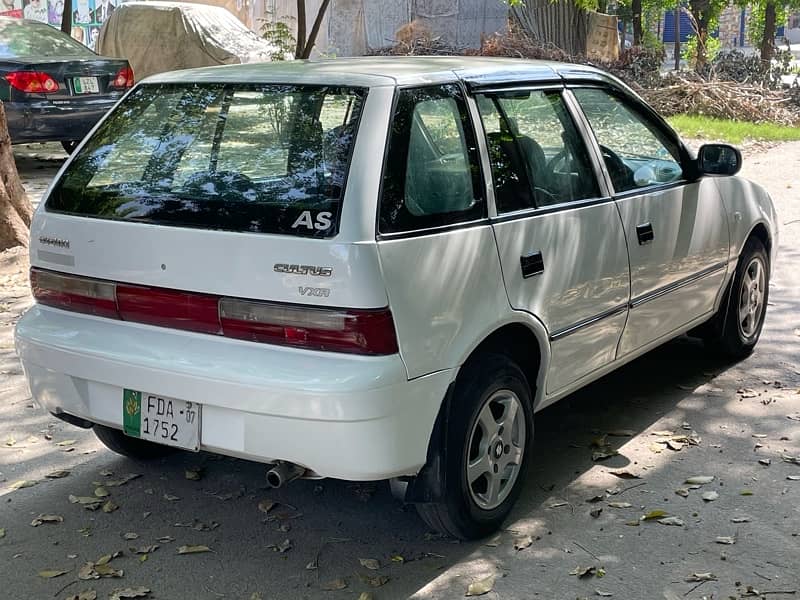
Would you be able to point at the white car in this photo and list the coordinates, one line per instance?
(379, 268)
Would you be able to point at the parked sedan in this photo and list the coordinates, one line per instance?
(53, 88)
(380, 268)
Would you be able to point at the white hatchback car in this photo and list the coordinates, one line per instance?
(379, 268)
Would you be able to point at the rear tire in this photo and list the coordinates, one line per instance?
(488, 439)
(116, 441)
(746, 306)
(69, 147)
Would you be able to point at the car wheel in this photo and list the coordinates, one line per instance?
(747, 302)
(69, 147)
(488, 439)
(116, 441)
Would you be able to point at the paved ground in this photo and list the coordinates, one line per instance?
(738, 411)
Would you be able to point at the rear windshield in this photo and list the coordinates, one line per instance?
(248, 158)
(37, 40)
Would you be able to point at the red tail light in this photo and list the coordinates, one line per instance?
(124, 78)
(315, 328)
(358, 331)
(32, 82)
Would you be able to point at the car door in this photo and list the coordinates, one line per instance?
(676, 229)
(560, 239)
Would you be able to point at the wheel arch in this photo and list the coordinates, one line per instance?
(761, 233)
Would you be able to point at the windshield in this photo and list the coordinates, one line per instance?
(37, 40)
(255, 158)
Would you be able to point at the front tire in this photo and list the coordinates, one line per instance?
(488, 439)
(747, 302)
(116, 441)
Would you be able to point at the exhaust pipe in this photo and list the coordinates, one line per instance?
(284, 472)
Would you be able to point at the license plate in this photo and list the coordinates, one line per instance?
(162, 420)
(86, 85)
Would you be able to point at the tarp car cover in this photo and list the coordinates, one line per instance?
(164, 36)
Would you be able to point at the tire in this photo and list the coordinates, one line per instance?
(746, 306)
(69, 147)
(483, 431)
(116, 441)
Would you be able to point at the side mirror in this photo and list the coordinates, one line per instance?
(718, 159)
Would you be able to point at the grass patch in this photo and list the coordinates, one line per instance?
(733, 132)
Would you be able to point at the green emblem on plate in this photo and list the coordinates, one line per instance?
(131, 412)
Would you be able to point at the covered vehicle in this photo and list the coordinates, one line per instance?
(165, 36)
(53, 88)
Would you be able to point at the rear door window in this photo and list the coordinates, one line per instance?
(264, 159)
(431, 177)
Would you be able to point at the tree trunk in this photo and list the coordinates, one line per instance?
(312, 37)
(623, 37)
(768, 37)
(562, 24)
(677, 44)
(636, 11)
(301, 29)
(15, 210)
(66, 17)
(700, 11)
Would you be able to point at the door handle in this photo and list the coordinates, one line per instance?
(531, 264)
(645, 233)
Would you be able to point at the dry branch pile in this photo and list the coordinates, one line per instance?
(721, 99)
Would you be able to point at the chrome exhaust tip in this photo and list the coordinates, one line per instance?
(284, 472)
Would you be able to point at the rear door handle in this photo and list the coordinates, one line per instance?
(645, 233)
(531, 264)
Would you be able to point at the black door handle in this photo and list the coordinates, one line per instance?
(532, 264)
(645, 233)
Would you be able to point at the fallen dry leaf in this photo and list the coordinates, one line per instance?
(726, 539)
(144, 549)
(672, 521)
(582, 572)
(682, 492)
(24, 483)
(101, 492)
(596, 512)
(624, 474)
(398, 559)
(793, 477)
(746, 493)
(50, 573)
(109, 506)
(764, 461)
(795, 460)
(193, 474)
(118, 482)
(130, 536)
(522, 543)
(366, 596)
(193, 549)
(740, 520)
(700, 479)
(620, 504)
(710, 496)
(674, 445)
(335, 584)
(370, 563)
(137, 592)
(603, 594)
(481, 587)
(701, 577)
(57, 474)
(375, 580)
(2, 533)
(654, 514)
(604, 453)
(47, 519)
(64, 443)
(171, 498)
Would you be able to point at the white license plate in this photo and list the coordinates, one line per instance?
(162, 420)
(86, 85)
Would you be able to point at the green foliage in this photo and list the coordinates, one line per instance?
(278, 33)
(733, 132)
(689, 49)
(756, 22)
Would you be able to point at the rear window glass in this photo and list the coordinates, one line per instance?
(28, 40)
(249, 158)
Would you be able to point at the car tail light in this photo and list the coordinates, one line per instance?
(78, 294)
(361, 331)
(32, 82)
(339, 330)
(123, 79)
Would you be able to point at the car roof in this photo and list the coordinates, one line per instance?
(375, 71)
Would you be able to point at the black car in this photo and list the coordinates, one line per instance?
(54, 89)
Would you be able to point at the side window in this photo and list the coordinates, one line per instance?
(537, 156)
(635, 152)
(431, 177)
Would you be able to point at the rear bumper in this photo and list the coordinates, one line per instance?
(344, 416)
(44, 121)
